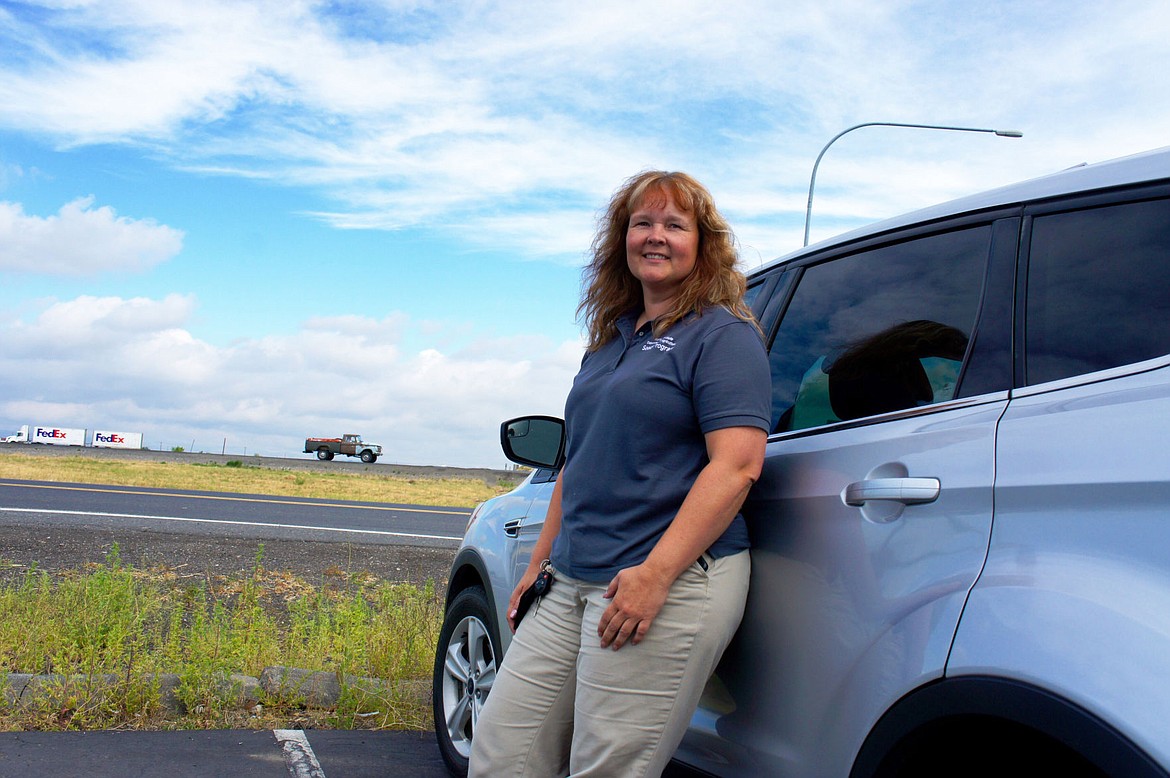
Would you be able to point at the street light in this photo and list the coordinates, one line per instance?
(813, 181)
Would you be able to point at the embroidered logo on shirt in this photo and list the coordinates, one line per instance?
(665, 343)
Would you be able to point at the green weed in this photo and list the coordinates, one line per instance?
(105, 633)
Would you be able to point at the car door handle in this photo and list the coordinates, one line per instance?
(908, 491)
(512, 528)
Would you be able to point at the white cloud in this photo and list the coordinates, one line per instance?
(534, 234)
(498, 128)
(468, 113)
(82, 240)
(132, 364)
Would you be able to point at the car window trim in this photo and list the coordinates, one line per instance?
(1095, 377)
(957, 403)
(994, 328)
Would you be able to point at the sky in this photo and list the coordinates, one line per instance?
(233, 225)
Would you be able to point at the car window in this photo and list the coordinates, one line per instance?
(1098, 282)
(878, 331)
(753, 292)
(543, 475)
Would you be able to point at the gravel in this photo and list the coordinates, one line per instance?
(67, 549)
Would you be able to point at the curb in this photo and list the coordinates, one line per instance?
(312, 689)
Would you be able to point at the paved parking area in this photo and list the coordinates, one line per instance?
(220, 753)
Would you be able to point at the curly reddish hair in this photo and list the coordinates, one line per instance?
(610, 290)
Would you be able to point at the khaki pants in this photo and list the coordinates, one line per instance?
(562, 705)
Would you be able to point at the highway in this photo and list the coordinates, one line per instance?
(257, 517)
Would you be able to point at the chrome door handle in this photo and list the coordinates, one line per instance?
(908, 491)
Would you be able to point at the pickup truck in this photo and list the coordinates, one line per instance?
(350, 445)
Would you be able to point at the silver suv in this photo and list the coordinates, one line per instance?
(959, 558)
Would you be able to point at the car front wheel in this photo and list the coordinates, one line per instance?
(369, 457)
(465, 669)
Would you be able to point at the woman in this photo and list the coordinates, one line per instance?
(666, 425)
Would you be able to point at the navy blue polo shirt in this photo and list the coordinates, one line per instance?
(635, 421)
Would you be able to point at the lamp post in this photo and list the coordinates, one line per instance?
(813, 180)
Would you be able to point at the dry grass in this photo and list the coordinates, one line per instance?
(246, 479)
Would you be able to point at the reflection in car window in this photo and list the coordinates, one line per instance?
(878, 331)
(1098, 289)
(544, 475)
(752, 293)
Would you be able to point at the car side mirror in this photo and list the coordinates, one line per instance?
(537, 441)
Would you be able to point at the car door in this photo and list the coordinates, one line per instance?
(871, 520)
(1075, 597)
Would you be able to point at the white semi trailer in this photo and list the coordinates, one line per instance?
(107, 439)
(54, 436)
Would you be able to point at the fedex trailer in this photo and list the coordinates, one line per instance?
(58, 436)
(105, 439)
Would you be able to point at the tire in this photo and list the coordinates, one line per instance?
(465, 668)
(324, 454)
(369, 457)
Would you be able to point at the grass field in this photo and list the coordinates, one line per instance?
(238, 476)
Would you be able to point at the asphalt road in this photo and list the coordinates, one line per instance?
(66, 541)
(221, 754)
(64, 526)
(229, 754)
(233, 515)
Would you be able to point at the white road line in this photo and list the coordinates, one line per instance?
(234, 498)
(234, 523)
(298, 754)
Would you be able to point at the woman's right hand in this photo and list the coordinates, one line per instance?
(514, 601)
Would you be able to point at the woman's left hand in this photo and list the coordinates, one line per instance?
(636, 595)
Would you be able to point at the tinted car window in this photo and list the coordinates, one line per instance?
(1098, 284)
(878, 331)
(752, 293)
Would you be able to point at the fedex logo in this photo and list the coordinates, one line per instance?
(44, 433)
(111, 438)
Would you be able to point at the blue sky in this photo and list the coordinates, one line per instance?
(261, 221)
